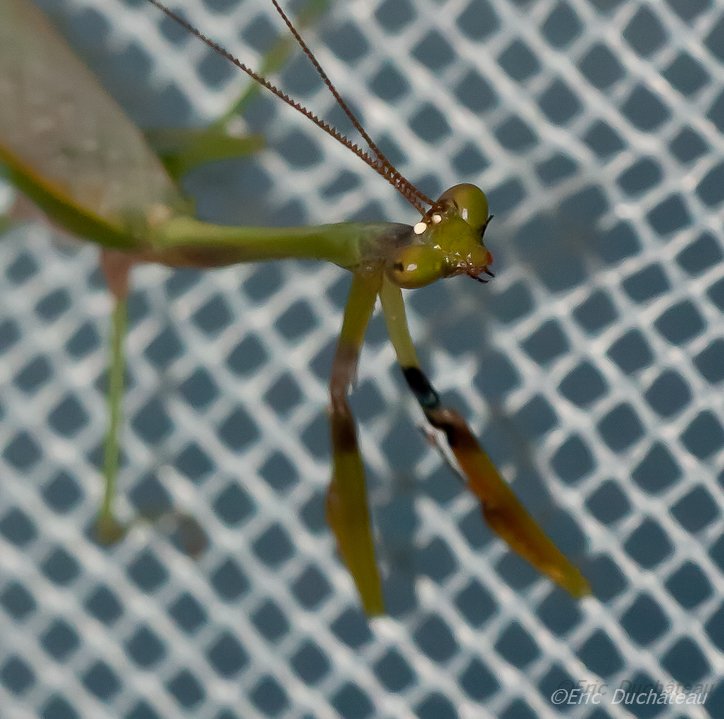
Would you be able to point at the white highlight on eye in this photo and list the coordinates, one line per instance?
(419, 228)
(465, 214)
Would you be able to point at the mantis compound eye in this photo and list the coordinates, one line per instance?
(416, 266)
(469, 203)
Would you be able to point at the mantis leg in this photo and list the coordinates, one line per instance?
(347, 511)
(116, 267)
(183, 527)
(505, 515)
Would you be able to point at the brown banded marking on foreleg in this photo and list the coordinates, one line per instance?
(505, 515)
(446, 419)
(501, 509)
(344, 369)
(347, 511)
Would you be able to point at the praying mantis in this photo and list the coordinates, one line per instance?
(97, 178)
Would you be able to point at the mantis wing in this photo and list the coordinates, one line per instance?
(67, 144)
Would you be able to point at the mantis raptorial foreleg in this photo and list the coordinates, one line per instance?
(347, 511)
(505, 515)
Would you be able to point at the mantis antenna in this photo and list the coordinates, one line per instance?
(379, 163)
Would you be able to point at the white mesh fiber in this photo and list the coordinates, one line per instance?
(592, 368)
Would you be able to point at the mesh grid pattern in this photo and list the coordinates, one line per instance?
(591, 367)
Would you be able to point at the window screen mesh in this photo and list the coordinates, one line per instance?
(592, 368)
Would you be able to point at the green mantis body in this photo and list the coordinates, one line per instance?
(93, 174)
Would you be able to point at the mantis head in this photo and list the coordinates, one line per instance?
(448, 241)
